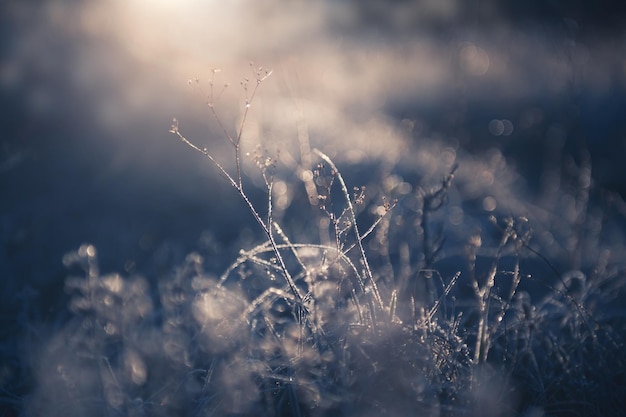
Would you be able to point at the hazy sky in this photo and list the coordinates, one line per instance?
(338, 65)
(89, 90)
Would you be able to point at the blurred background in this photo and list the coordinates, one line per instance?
(88, 90)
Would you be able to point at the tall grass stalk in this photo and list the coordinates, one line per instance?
(237, 181)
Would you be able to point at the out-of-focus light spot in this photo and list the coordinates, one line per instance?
(136, 367)
(396, 184)
(380, 210)
(456, 216)
(404, 188)
(502, 127)
(508, 127)
(107, 300)
(496, 127)
(87, 250)
(486, 177)
(407, 124)
(448, 156)
(489, 203)
(280, 188)
(113, 283)
(282, 202)
(391, 182)
(305, 175)
(475, 241)
(110, 329)
(474, 60)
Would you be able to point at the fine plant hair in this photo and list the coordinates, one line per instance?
(237, 182)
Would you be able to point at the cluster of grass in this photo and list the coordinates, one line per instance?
(352, 318)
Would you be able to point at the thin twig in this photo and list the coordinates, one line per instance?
(368, 271)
